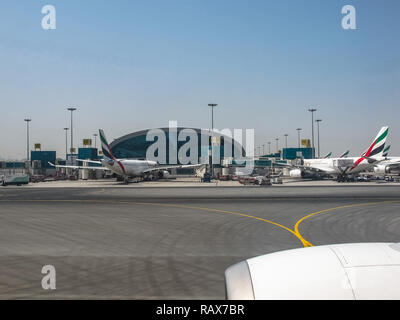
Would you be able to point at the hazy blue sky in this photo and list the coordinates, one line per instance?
(130, 65)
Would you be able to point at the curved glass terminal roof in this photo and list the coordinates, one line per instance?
(135, 145)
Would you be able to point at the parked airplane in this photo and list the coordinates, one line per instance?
(343, 169)
(386, 151)
(328, 155)
(344, 155)
(388, 165)
(124, 167)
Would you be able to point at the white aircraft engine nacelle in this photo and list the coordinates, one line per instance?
(296, 173)
(165, 174)
(381, 169)
(340, 272)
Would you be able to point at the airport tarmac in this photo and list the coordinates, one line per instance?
(184, 182)
(173, 243)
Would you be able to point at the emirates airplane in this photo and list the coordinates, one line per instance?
(390, 165)
(343, 155)
(344, 169)
(127, 168)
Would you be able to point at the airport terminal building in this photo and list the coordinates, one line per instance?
(135, 145)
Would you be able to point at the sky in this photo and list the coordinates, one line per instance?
(128, 65)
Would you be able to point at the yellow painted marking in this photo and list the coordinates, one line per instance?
(304, 242)
(217, 210)
(295, 231)
(296, 227)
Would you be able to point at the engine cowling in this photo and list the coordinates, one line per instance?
(296, 173)
(356, 271)
(163, 174)
(381, 169)
(166, 174)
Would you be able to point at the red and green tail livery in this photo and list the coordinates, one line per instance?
(377, 147)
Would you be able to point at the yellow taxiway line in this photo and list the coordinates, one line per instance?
(295, 231)
(296, 227)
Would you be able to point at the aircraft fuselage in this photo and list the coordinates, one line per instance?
(129, 168)
(338, 166)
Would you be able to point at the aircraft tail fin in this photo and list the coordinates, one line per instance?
(328, 155)
(378, 146)
(386, 151)
(104, 145)
(344, 155)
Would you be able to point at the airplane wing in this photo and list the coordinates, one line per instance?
(393, 165)
(183, 166)
(299, 166)
(373, 160)
(293, 166)
(89, 161)
(79, 167)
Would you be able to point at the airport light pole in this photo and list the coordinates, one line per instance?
(72, 129)
(27, 137)
(212, 105)
(277, 145)
(312, 110)
(263, 149)
(95, 140)
(269, 148)
(66, 143)
(319, 146)
(286, 135)
(298, 135)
